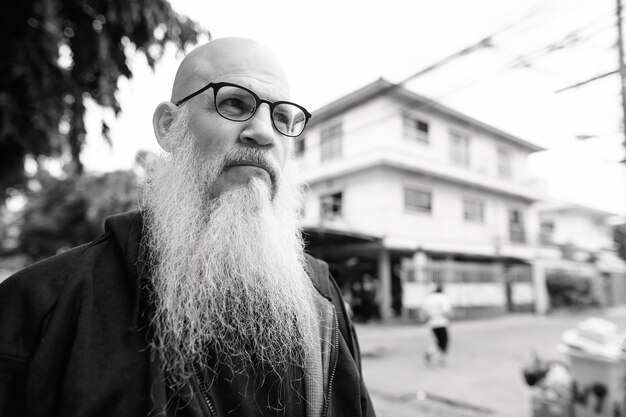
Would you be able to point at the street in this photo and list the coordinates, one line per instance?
(484, 372)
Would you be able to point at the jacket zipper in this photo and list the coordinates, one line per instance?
(332, 372)
(204, 391)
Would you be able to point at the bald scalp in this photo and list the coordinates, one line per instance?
(228, 57)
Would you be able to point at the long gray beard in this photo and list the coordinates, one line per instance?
(228, 274)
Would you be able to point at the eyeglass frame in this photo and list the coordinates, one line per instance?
(258, 101)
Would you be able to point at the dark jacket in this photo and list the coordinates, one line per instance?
(74, 336)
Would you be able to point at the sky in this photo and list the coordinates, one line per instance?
(331, 48)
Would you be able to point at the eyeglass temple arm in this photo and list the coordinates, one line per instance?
(192, 95)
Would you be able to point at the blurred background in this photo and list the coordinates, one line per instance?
(476, 144)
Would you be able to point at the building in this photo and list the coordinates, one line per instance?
(578, 242)
(409, 191)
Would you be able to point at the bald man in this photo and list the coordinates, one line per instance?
(202, 302)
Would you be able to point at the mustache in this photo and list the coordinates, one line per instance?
(251, 156)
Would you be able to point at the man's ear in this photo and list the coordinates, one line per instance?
(161, 121)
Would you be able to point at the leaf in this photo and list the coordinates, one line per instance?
(55, 49)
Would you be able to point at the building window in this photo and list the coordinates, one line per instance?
(330, 141)
(415, 129)
(299, 146)
(459, 148)
(546, 232)
(331, 205)
(417, 200)
(473, 209)
(517, 230)
(504, 163)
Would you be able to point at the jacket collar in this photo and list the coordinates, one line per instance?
(318, 272)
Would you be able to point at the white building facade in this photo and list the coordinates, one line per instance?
(411, 192)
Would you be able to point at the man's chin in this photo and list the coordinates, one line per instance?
(256, 184)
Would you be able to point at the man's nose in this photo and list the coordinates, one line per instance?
(259, 129)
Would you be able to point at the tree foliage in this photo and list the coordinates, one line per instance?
(569, 290)
(65, 212)
(58, 53)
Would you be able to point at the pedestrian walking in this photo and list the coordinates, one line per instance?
(437, 311)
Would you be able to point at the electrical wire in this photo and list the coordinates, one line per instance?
(570, 39)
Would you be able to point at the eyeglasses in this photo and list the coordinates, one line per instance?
(237, 103)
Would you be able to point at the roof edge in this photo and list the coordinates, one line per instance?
(383, 86)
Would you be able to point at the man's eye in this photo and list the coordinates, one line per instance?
(233, 104)
(281, 118)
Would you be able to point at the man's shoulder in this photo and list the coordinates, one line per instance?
(56, 289)
(46, 278)
(31, 295)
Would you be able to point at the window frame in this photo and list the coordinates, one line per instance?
(331, 142)
(467, 201)
(517, 225)
(336, 202)
(459, 155)
(546, 234)
(411, 129)
(505, 170)
(415, 208)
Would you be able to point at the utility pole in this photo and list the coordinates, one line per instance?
(622, 68)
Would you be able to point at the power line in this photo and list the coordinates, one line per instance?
(429, 102)
(485, 42)
(577, 36)
(597, 77)
(570, 39)
(481, 44)
(524, 28)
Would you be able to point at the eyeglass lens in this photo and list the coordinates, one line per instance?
(238, 104)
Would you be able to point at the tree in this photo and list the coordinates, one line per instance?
(65, 212)
(58, 53)
(567, 289)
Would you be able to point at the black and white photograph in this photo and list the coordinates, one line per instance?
(321, 209)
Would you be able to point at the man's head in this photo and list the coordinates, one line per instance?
(233, 62)
(224, 249)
